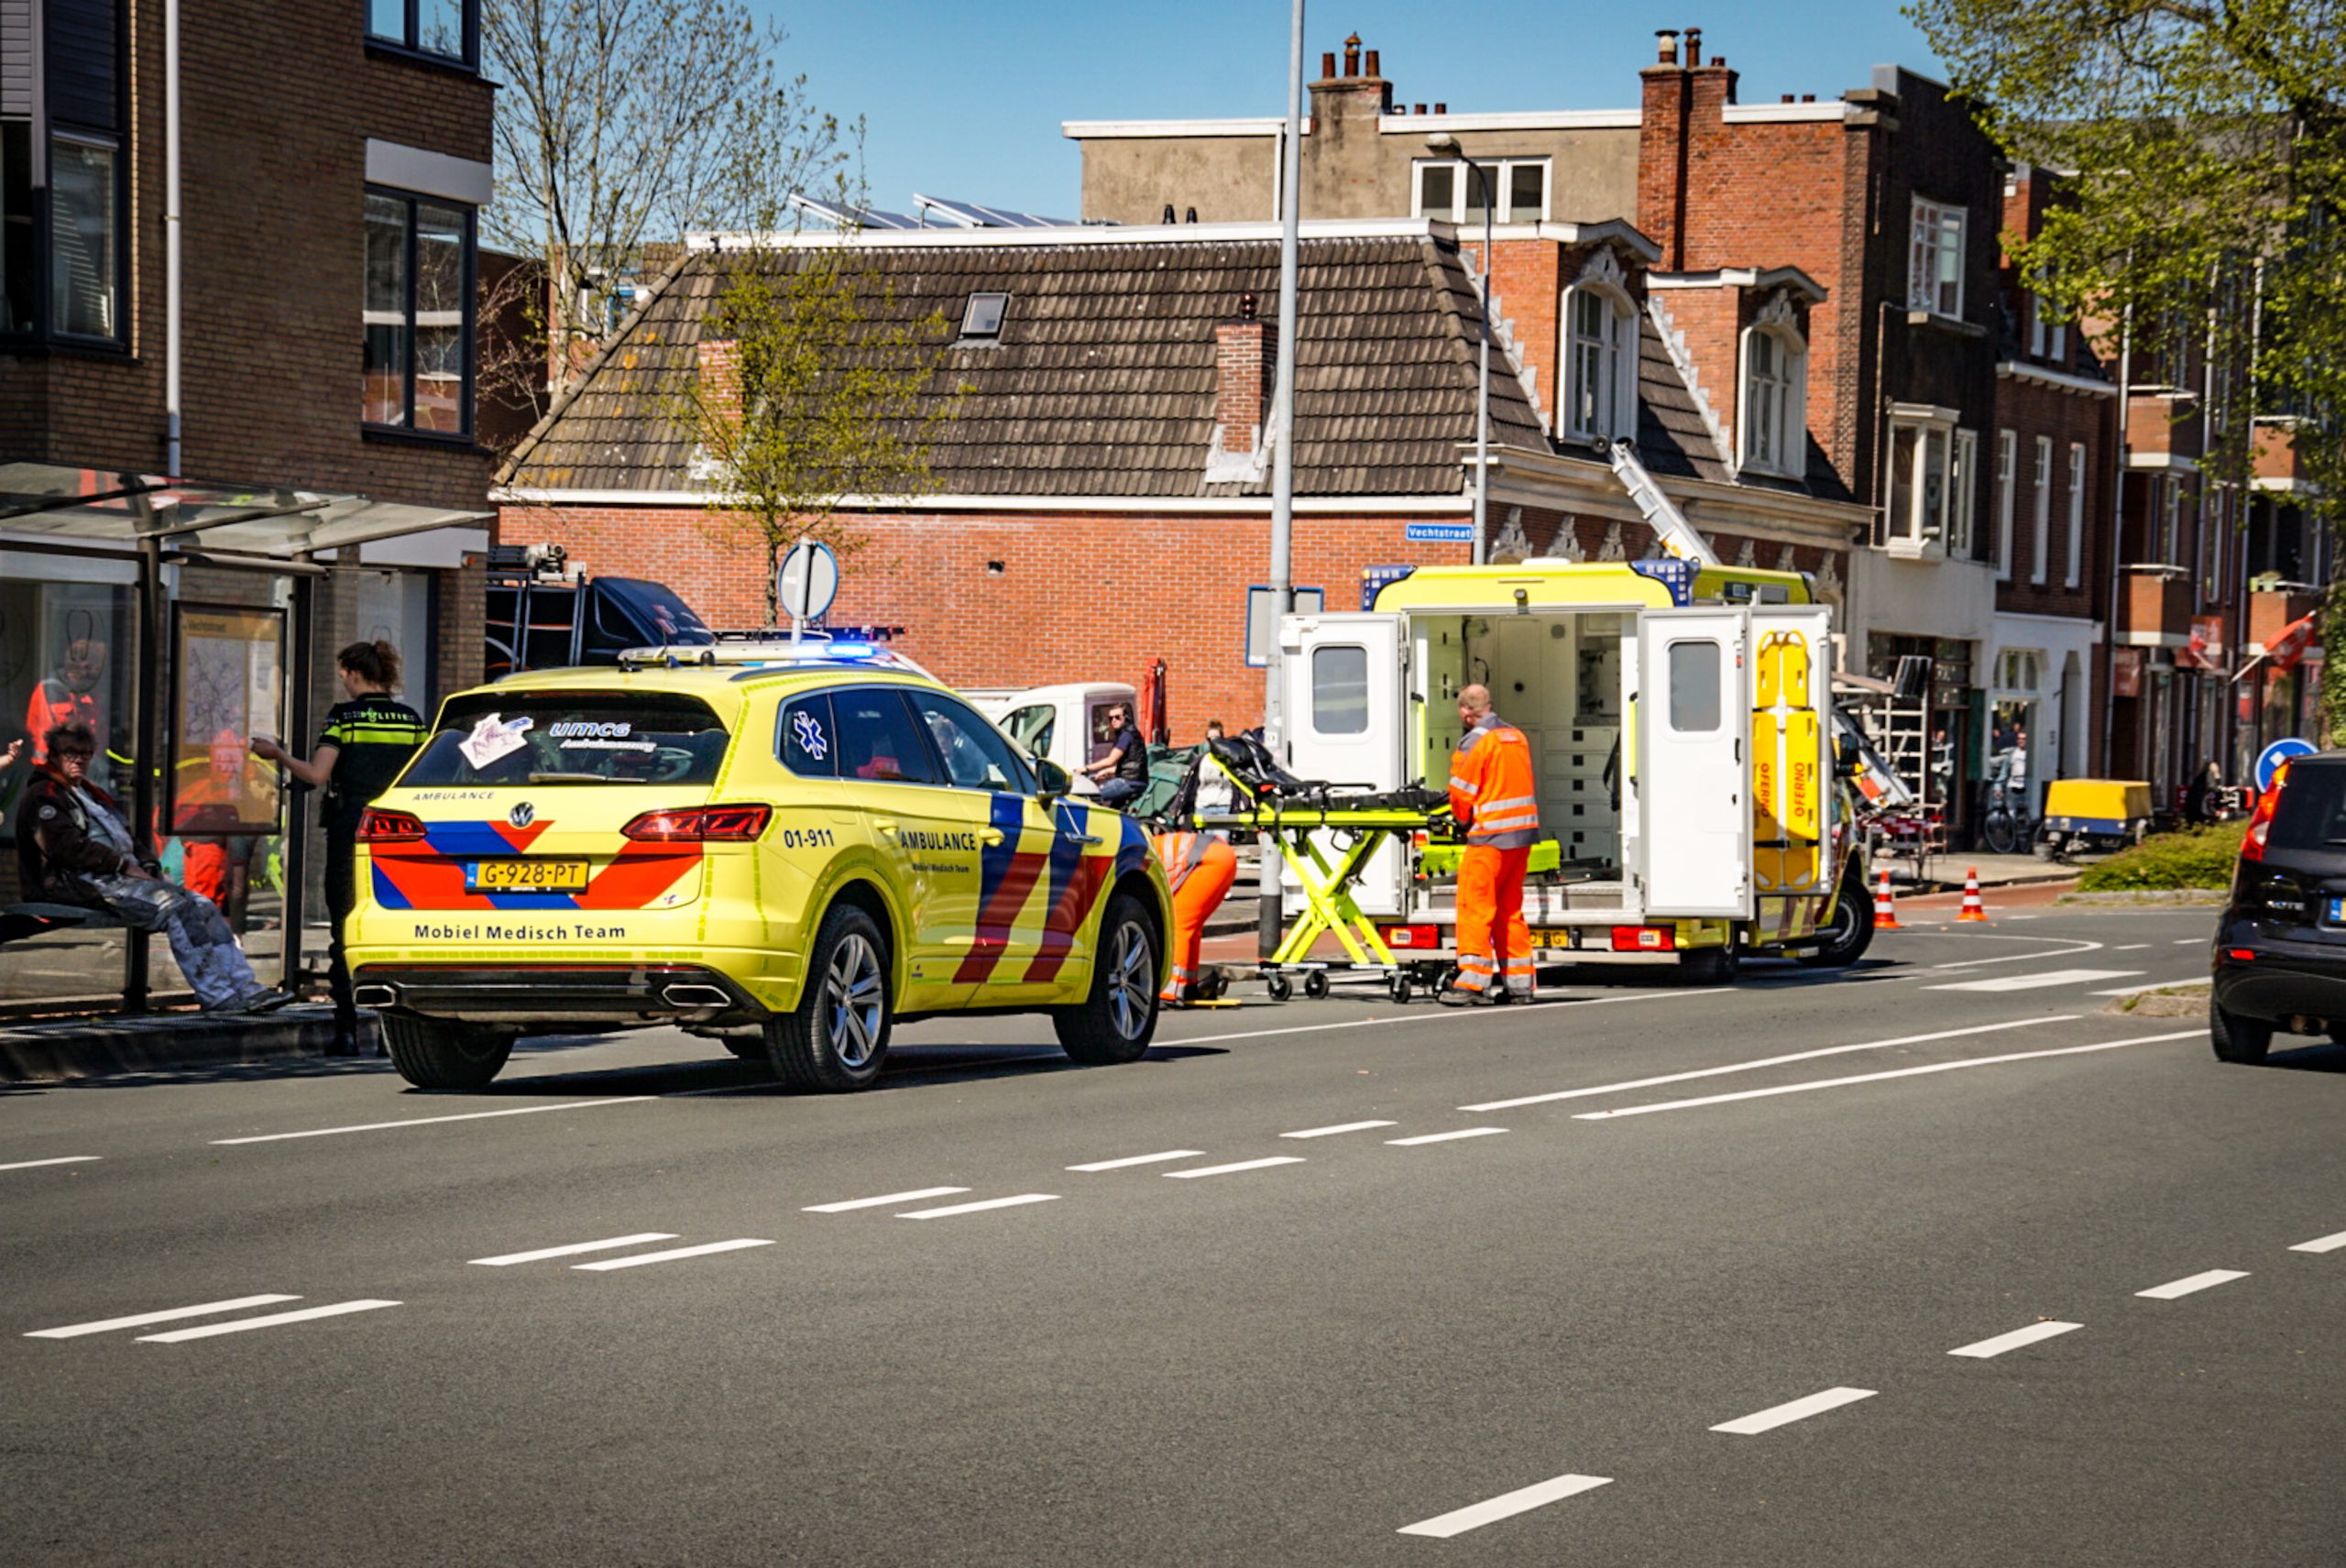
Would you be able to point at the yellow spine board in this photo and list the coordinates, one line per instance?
(1784, 771)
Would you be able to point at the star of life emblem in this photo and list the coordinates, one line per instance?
(809, 731)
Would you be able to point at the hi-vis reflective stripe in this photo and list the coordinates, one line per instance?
(1463, 786)
(1507, 816)
(375, 735)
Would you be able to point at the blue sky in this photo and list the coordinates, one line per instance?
(965, 99)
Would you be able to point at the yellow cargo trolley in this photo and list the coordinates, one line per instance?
(2086, 815)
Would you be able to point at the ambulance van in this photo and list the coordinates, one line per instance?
(1680, 718)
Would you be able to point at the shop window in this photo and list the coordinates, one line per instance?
(418, 314)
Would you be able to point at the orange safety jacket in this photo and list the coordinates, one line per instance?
(1181, 853)
(1490, 785)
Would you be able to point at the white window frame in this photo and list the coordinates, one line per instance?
(2007, 463)
(1772, 434)
(2073, 573)
(1617, 403)
(1967, 494)
(1922, 532)
(2170, 539)
(2040, 549)
(1501, 173)
(1936, 230)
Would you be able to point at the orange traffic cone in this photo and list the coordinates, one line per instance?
(1974, 908)
(1885, 913)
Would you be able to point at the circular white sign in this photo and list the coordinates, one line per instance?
(809, 579)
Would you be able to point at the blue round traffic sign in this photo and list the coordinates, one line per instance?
(2270, 760)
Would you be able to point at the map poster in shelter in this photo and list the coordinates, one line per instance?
(228, 684)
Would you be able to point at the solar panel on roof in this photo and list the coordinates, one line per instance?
(841, 216)
(971, 215)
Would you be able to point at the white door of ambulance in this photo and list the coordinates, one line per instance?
(1694, 768)
(1347, 699)
(1792, 754)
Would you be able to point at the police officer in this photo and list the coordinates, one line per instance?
(366, 740)
(1491, 794)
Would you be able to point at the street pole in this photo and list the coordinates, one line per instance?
(1443, 142)
(1271, 913)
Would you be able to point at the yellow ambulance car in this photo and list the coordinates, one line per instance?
(790, 854)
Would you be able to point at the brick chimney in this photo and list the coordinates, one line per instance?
(717, 364)
(1685, 110)
(1359, 92)
(1244, 354)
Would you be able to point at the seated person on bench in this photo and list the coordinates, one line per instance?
(74, 845)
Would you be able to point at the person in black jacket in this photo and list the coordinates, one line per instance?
(74, 845)
(366, 740)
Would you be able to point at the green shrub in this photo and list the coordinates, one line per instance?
(2192, 856)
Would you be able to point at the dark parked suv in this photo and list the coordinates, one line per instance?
(2280, 954)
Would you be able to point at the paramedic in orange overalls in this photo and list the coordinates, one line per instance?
(1199, 868)
(1491, 794)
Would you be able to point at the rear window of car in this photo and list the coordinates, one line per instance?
(572, 738)
(2312, 812)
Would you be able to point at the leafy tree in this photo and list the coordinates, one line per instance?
(2208, 142)
(813, 385)
(621, 125)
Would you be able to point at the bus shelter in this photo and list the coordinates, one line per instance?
(178, 620)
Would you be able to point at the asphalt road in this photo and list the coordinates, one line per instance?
(1644, 1275)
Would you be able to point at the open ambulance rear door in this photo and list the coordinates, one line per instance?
(1692, 763)
(1348, 687)
(1792, 753)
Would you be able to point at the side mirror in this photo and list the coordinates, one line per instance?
(1052, 780)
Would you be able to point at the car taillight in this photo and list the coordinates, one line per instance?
(1645, 939)
(700, 824)
(2260, 821)
(377, 826)
(1411, 936)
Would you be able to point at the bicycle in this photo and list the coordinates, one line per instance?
(2003, 829)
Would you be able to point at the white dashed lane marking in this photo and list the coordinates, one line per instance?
(434, 1120)
(140, 1319)
(2130, 947)
(914, 1195)
(1766, 1062)
(1444, 1137)
(2015, 1339)
(1133, 1159)
(506, 1260)
(1798, 1411)
(1441, 1527)
(2037, 982)
(2322, 1243)
(274, 1321)
(2191, 941)
(1233, 1169)
(1339, 1127)
(66, 1160)
(2196, 1282)
(637, 1260)
(1883, 1076)
(978, 1208)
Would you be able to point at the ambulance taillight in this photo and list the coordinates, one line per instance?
(1645, 939)
(700, 825)
(377, 826)
(1413, 937)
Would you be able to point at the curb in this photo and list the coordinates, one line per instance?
(101, 1048)
(2186, 895)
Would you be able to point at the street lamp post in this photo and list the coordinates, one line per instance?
(1269, 911)
(1444, 143)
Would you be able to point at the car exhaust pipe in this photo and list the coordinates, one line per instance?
(375, 995)
(695, 995)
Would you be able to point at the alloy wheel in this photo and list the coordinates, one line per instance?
(857, 999)
(1131, 982)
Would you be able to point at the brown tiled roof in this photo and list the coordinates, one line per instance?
(1103, 381)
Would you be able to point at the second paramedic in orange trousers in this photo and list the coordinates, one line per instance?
(1199, 868)
(1491, 792)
